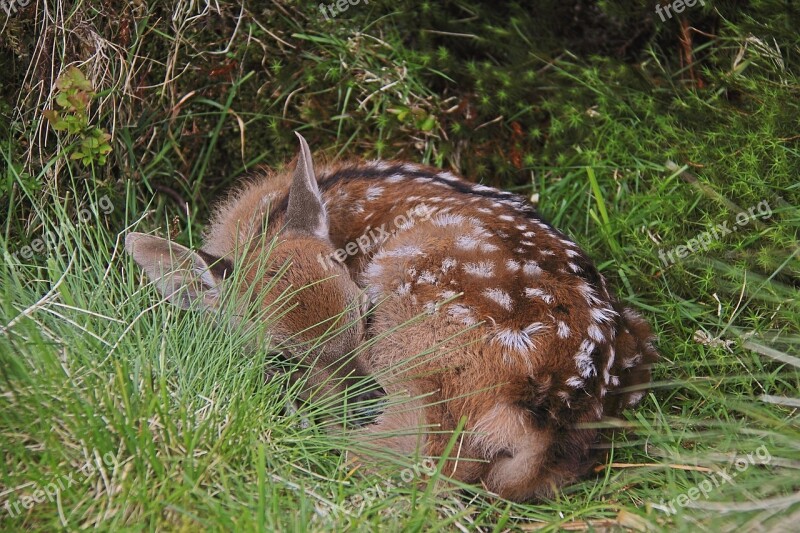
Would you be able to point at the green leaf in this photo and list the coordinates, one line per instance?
(428, 124)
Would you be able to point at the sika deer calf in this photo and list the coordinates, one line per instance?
(329, 308)
(519, 332)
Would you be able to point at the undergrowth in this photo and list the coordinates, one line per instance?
(635, 136)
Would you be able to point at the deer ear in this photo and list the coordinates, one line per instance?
(183, 276)
(306, 212)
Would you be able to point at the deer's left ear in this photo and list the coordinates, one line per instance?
(182, 275)
(306, 212)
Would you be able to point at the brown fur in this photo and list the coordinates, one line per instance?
(519, 332)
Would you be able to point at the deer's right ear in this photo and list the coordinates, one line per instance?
(182, 275)
(306, 212)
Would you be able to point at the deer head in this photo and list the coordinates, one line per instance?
(319, 322)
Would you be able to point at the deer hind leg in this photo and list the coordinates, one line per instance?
(401, 428)
(518, 453)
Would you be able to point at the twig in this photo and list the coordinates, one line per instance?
(600, 468)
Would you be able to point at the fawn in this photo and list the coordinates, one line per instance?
(240, 236)
(505, 321)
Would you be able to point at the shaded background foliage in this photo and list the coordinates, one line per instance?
(457, 66)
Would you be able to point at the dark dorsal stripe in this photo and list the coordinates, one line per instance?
(368, 172)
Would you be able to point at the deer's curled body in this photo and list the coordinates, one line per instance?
(518, 330)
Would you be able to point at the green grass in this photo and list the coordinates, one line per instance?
(629, 157)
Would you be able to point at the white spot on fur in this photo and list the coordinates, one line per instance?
(588, 294)
(529, 234)
(483, 269)
(512, 339)
(444, 220)
(394, 178)
(449, 176)
(583, 359)
(513, 265)
(478, 223)
(467, 242)
(374, 192)
(531, 268)
(378, 164)
(373, 270)
(632, 316)
(563, 330)
(535, 328)
(488, 247)
(407, 224)
(462, 313)
(448, 264)
(507, 218)
(546, 251)
(482, 188)
(500, 297)
(575, 382)
(404, 251)
(575, 268)
(538, 293)
(635, 398)
(572, 253)
(611, 357)
(427, 277)
(484, 210)
(404, 289)
(603, 314)
(595, 334)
